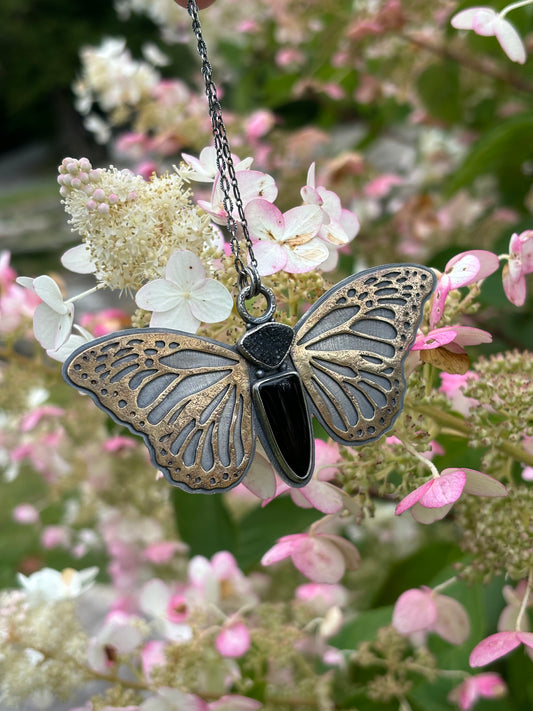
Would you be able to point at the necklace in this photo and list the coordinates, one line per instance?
(199, 404)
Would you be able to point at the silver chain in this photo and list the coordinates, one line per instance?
(248, 276)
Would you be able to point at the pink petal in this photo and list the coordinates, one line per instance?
(322, 496)
(350, 223)
(158, 295)
(470, 336)
(510, 41)
(484, 22)
(435, 339)
(254, 184)
(494, 647)
(234, 640)
(526, 638)
(515, 290)
(429, 516)
(452, 622)
(331, 202)
(480, 484)
(352, 558)
(283, 548)
(445, 490)
(464, 20)
(439, 299)
(271, 257)
(299, 499)
(415, 610)
(265, 221)
(468, 267)
(185, 270)
(413, 497)
(311, 175)
(211, 302)
(319, 560)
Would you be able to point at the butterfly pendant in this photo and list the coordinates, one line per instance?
(199, 404)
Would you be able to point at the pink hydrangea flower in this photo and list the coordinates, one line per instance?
(452, 386)
(487, 22)
(162, 552)
(157, 601)
(152, 656)
(321, 557)
(520, 263)
(204, 169)
(55, 537)
(7, 273)
(218, 582)
(498, 645)
(421, 610)
(105, 321)
(453, 338)
(481, 686)
(462, 270)
(119, 443)
(233, 640)
(252, 184)
(511, 612)
(25, 514)
(285, 241)
(322, 596)
(31, 419)
(432, 501)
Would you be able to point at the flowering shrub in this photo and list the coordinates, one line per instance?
(404, 564)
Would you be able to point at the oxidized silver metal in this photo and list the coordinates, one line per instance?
(195, 401)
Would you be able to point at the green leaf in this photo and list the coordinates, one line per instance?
(438, 87)
(261, 527)
(204, 522)
(362, 628)
(503, 151)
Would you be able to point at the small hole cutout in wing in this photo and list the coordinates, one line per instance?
(189, 397)
(351, 345)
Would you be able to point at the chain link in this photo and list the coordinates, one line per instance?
(248, 276)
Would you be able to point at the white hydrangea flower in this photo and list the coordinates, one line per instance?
(185, 297)
(49, 585)
(73, 341)
(52, 319)
(204, 169)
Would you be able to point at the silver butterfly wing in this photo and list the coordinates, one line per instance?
(189, 398)
(350, 347)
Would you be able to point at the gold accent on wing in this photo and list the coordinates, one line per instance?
(189, 397)
(351, 345)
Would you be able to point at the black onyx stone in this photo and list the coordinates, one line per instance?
(267, 345)
(282, 411)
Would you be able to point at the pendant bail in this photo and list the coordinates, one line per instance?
(247, 292)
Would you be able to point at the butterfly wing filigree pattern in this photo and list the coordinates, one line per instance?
(351, 345)
(189, 397)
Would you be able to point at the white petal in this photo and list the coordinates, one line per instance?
(510, 41)
(179, 318)
(47, 290)
(78, 259)
(154, 598)
(211, 303)
(466, 19)
(423, 515)
(302, 221)
(306, 257)
(185, 270)
(51, 329)
(158, 295)
(271, 257)
(26, 282)
(265, 221)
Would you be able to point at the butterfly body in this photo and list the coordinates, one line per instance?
(199, 404)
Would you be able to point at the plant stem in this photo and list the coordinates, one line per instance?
(514, 6)
(471, 63)
(523, 606)
(462, 427)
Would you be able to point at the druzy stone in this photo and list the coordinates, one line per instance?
(267, 345)
(280, 404)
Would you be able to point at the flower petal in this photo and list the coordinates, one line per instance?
(445, 490)
(302, 223)
(319, 560)
(494, 647)
(306, 257)
(414, 611)
(439, 299)
(515, 289)
(158, 295)
(51, 328)
(452, 622)
(271, 257)
(481, 484)
(428, 516)
(412, 498)
(265, 221)
(282, 549)
(47, 290)
(467, 267)
(179, 318)
(322, 496)
(510, 41)
(464, 20)
(78, 259)
(185, 270)
(211, 303)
